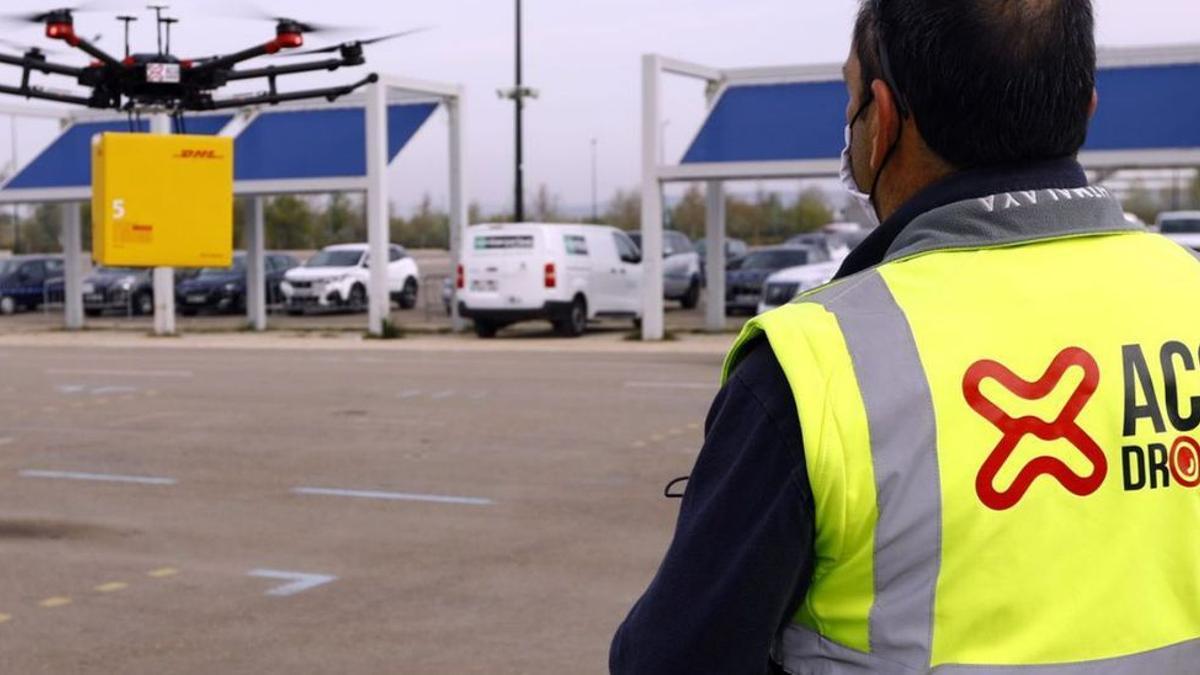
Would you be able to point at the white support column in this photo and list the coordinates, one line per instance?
(458, 204)
(164, 277)
(256, 269)
(714, 237)
(652, 206)
(72, 239)
(378, 298)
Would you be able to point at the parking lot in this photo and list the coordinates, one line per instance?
(260, 504)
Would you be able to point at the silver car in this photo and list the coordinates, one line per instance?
(681, 268)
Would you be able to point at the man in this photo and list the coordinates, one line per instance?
(971, 451)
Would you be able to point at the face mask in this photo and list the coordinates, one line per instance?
(851, 184)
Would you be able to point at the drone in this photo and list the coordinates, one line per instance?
(162, 81)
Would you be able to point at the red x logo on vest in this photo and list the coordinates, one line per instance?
(1063, 427)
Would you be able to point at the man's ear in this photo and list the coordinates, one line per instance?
(1095, 103)
(887, 123)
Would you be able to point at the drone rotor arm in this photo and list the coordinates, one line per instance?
(272, 71)
(41, 66)
(34, 92)
(330, 93)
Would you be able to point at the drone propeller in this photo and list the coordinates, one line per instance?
(47, 15)
(256, 13)
(359, 43)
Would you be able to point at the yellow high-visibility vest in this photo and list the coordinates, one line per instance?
(1000, 428)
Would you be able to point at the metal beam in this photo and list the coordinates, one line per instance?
(378, 298)
(821, 168)
(458, 205)
(652, 206)
(714, 254)
(164, 277)
(689, 69)
(72, 265)
(256, 268)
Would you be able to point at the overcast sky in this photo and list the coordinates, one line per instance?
(582, 55)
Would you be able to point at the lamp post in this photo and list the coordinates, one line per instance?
(595, 209)
(518, 94)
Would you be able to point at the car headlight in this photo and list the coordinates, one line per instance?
(230, 287)
(126, 283)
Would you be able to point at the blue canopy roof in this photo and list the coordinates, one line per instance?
(319, 143)
(277, 146)
(67, 162)
(1141, 108)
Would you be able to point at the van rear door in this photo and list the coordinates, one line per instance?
(505, 267)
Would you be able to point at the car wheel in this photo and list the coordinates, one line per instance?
(692, 297)
(485, 329)
(575, 323)
(408, 296)
(143, 304)
(187, 311)
(295, 311)
(93, 312)
(8, 306)
(358, 298)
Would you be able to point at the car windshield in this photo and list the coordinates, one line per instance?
(7, 266)
(775, 260)
(239, 264)
(1181, 226)
(637, 239)
(335, 258)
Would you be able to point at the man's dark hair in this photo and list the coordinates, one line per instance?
(988, 81)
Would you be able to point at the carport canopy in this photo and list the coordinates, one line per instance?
(788, 122)
(287, 149)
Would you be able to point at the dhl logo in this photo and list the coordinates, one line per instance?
(187, 153)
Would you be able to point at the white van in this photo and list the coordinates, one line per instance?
(566, 274)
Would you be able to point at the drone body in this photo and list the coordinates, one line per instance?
(164, 82)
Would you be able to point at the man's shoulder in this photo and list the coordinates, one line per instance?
(759, 374)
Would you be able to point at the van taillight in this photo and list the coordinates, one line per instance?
(551, 276)
(460, 279)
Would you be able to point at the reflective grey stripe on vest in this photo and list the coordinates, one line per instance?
(903, 436)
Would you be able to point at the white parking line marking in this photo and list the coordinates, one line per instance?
(70, 388)
(409, 393)
(5, 441)
(442, 394)
(298, 582)
(392, 496)
(670, 385)
(101, 391)
(122, 373)
(99, 477)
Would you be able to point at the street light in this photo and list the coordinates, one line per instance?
(518, 94)
(595, 211)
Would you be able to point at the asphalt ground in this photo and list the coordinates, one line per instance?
(172, 507)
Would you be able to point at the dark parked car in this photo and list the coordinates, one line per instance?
(23, 281)
(223, 289)
(745, 277)
(128, 290)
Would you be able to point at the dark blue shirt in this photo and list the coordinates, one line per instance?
(742, 556)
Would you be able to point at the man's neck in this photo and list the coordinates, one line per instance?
(912, 168)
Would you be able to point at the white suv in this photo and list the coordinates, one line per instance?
(566, 274)
(339, 276)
